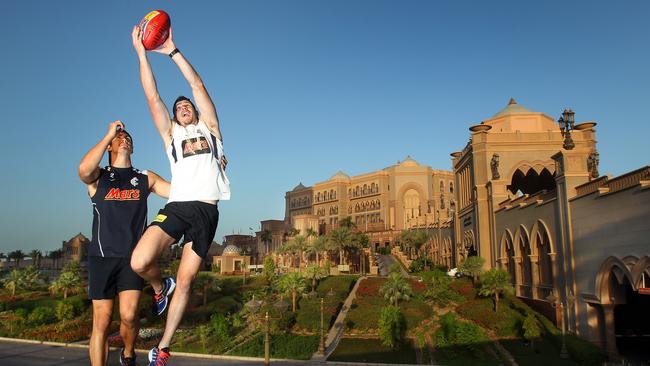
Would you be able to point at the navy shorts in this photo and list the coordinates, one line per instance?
(108, 276)
(195, 221)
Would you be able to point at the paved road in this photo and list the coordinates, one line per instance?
(24, 354)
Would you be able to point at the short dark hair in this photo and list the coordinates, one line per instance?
(180, 99)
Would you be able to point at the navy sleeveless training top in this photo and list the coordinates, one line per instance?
(119, 212)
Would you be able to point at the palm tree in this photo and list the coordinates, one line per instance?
(495, 281)
(292, 284)
(300, 244)
(347, 222)
(36, 255)
(396, 288)
(340, 239)
(68, 282)
(267, 237)
(314, 272)
(316, 246)
(17, 256)
(472, 266)
(207, 282)
(414, 239)
(30, 277)
(55, 255)
(13, 281)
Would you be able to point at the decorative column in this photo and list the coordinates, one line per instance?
(518, 275)
(534, 269)
(610, 335)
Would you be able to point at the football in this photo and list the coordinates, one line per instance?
(155, 29)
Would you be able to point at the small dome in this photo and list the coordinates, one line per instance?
(409, 162)
(299, 187)
(231, 250)
(512, 108)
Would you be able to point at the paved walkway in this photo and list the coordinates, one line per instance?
(387, 260)
(33, 354)
(335, 333)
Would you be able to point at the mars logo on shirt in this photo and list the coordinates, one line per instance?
(195, 146)
(116, 194)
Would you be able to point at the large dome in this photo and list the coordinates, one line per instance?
(231, 250)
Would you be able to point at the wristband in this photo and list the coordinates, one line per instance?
(175, 51)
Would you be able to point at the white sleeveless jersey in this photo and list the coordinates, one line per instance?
(194, 155)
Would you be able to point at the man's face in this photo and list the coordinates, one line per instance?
(122, 142)
(185, 113)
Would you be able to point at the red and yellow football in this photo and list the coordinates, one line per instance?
(155, 29)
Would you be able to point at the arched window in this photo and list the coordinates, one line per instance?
(451, 187)
(531, 182)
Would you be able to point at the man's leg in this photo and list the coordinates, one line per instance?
(98, 347)
(190, 264)
(129, 322)
(144, 260)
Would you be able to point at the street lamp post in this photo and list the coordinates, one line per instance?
(566, 122)
(267, 344)
(321, 346)
(555, 302)
(439, 229)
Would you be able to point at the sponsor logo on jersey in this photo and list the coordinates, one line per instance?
(195, 146)
(116, 194)
(134, 181)
(160, 218)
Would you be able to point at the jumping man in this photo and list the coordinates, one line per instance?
(193, 144)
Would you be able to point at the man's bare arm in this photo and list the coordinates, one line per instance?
(203, 101)
(158, 185)
(159, 112)
(89, 165)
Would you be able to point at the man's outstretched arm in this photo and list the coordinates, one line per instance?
(203, 101)
(89, 165)
(159, 112)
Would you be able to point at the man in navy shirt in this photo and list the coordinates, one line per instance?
(119, 196)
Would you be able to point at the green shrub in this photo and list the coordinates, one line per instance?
(79, 305)
(391, 327)
(418, 264)
(456, 335)
(383, 250)
(438, 288)
(21, 313)
(64, 311)
(41, 315)
(219, 326)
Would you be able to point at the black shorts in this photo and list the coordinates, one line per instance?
(195, 221)
(108, 276)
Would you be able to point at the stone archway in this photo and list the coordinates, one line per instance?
(625, 325)
(543, 259)
(507, 253)
(523, 258)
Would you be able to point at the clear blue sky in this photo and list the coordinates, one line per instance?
(303, 89)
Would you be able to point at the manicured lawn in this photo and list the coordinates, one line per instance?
(308, 313)
(372, 351)
(281, 346)
(544, 353)
(366, 308)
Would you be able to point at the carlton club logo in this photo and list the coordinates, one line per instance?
(116, 194)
